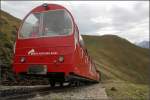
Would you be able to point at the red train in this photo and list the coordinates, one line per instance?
(49, 45)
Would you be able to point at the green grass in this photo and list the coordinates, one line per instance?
(8, 23)
(7, 36)
(128, 91)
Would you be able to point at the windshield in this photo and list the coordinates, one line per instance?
(51, 23)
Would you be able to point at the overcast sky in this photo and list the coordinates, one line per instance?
(128, 19)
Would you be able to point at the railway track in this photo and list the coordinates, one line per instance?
(28, 92)
(23, 93)
(45, 92)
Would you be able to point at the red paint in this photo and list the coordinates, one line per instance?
(46, 50)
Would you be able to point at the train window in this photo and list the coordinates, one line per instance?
(76, 34)
(81, 41)
(50, 23)
(57, 23)
(31, 25)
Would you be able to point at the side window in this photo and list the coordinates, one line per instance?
(30, 27)
(81, 41)
(94, 67)
(76, 35)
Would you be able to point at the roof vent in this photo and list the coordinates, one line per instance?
(46, 6)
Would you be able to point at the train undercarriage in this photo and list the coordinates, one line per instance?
(58, 78)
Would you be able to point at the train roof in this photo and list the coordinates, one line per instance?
(47, 7)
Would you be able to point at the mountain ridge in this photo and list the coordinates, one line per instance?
(143, 44)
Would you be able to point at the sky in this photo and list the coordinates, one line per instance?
(127, 19)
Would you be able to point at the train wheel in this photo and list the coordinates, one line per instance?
(61, 84)
(52, 83)
(77, 83)
(70, 83)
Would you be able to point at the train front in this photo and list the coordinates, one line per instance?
(45, 43)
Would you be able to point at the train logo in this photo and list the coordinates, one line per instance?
(31, 52)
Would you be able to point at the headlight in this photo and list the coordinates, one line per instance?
(61, 59)
(23, 59)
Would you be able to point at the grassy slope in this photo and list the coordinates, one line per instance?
(123, 65)
(7, 35)
(127, 91)
(7, 22)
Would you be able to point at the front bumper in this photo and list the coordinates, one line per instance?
(42, 68)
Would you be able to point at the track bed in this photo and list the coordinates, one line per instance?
(40, 92)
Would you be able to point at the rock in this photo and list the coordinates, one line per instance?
(113, 89)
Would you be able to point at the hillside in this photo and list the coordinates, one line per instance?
(7, 22)
(118, 59)
(7, 35)
(124, 66)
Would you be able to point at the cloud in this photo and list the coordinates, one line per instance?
(124, 18)
(128, 19)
